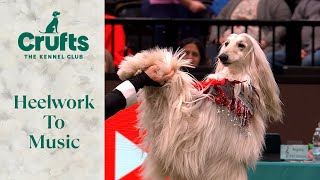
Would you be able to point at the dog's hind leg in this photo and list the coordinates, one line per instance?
(152, 170)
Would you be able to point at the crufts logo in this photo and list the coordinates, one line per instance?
(53, 41)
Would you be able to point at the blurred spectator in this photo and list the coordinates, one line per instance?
(118, 39)
(194, 51)
(255, 10)
(309, 10)
(170, 8)
(163, 36)
(108, 63)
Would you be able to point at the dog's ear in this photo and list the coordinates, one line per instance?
(263, 80)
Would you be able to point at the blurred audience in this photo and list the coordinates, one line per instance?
(170, 8)
(225, 10)
(309, 10)
(108, 63)
(118, 38)
(163, 36)
(195, 52)
(254, 10)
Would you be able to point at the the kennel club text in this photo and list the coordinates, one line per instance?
(53, 56)
(53, 122)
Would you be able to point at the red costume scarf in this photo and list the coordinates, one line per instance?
(239, 109)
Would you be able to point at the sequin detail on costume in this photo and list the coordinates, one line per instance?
(238, 109)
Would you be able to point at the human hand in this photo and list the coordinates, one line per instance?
(242, 17)
(196, 6)
(303, 53)
(153, 73)
(263, 43)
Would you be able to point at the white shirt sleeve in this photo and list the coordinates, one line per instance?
(129, 92)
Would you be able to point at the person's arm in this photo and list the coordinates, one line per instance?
(114, 102)
(124, 95)
(193, 5)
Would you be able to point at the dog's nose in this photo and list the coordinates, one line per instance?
(223, 57)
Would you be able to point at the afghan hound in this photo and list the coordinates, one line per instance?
(208, 130)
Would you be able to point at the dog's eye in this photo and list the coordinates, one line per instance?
(241, 46)
(226, 43)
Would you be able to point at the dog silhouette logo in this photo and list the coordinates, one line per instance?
(52, 27)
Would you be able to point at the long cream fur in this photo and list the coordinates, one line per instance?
(186, 137)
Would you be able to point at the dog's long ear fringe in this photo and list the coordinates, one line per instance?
(267, 87)
(218, 64)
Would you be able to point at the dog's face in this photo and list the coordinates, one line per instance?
(235, 50)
